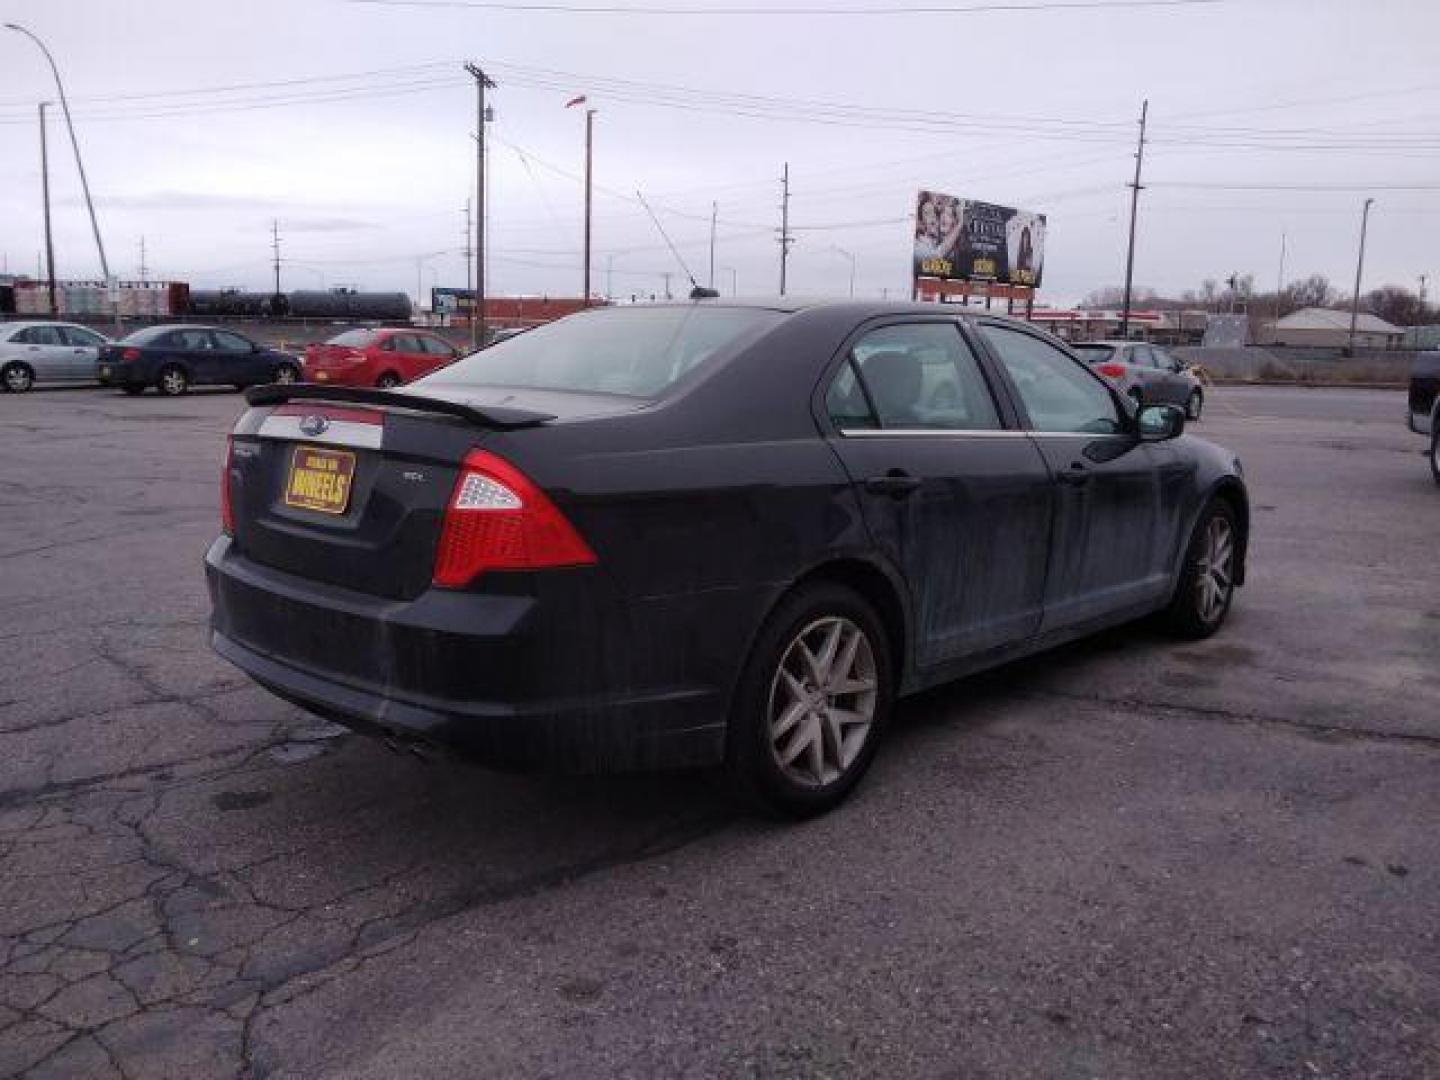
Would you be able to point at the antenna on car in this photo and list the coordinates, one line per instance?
(697, 291)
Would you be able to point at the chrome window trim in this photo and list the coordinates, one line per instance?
(975, 433)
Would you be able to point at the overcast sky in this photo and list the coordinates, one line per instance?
(350, 122)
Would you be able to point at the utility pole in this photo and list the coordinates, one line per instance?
(847, 255)
(589, 163)
(714, 213)
(275, 246)
(1359, 270)
(477, 318)
(1135, 188)
(469, 267)
(144, 270)
(1280, 277)
(1423, 279)
(667, 284)
(785, 238)
(609, 276)
(45, 190)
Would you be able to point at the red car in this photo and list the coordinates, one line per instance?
(377, 357)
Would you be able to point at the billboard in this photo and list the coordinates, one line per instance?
(964, 240)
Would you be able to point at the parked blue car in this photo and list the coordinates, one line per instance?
(174, 358)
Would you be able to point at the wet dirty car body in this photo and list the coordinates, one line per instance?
(672, 535)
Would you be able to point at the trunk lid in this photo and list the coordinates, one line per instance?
(349, 486)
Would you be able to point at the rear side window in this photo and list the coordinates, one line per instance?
(846, 403)
(1059, 394)
(355, 339)
(923, 375)
(190, 339)
(40, 335)
(75, 335)
(637, 351)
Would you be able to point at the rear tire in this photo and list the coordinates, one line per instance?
(1194, 406)
(17, 377)
(812, 703)
(172, 381)
(388, 381)
(286, 374)
(1207, 579)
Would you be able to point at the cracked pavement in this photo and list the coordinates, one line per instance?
(1128, 858)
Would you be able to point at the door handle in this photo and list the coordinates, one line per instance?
(895, 483)
(1076, 475)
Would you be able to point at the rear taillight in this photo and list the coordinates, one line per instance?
(1115, 371)
(497, 519)
(130, 354)
(227, 512)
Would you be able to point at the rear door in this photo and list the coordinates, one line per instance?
(195, 349)
(411, 359)
(1108, 546)
(437, 353)
(1168, 373)
(956, 501)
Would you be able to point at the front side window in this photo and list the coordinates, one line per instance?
(436, 347)
(923, 375)
(193, 340)
(232, 343)
(1058, 393)
(76, 335)
(637, 351)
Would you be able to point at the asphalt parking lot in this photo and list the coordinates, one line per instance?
(1129, 858)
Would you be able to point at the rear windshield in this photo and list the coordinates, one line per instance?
(1094, 354)
(637, 351)
(145, 336)
(356, 339)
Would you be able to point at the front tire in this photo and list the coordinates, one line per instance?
(17, 378)
(172, 381)
(1194, 406)
(812, 702)
(1207, 580)
(388, 381)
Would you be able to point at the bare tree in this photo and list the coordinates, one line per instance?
(1399, 306)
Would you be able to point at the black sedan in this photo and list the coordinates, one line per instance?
(174, 358)
(707, 533)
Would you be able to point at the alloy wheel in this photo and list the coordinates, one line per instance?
(173, 381)
(285, 374)
(18, 378)
(1214, 572)
(822, 701)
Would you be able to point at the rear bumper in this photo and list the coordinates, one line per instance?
(494, 678)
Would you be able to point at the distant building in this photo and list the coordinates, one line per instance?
(1331, 329)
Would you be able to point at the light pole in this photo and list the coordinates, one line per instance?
(45, 190)
(1359, 270)
(846, 254)
(75, 145)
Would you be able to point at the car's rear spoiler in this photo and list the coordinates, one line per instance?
(503, 417)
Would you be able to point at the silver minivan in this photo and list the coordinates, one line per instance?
(47, 352)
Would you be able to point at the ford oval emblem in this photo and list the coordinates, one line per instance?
(314, 425)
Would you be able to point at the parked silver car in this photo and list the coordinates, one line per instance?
(47, 352)
(1147, 373)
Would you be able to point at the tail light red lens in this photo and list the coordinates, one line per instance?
(227, 512)
(130, 354)
(497, 519)
(1113, 370)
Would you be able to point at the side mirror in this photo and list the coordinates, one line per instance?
(1160, 422)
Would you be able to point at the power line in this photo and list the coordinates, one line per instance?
(1013, 7)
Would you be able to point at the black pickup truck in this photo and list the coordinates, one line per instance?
(1424, 413)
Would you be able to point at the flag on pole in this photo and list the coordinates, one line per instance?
(575, 101)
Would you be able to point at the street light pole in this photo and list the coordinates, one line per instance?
(75, 145)
(846, 254)
(1135, 189)
(477, 317)
(1359, 270)
(45, 190)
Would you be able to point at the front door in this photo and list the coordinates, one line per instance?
(958, 503)
(1108, 552)
(241, 362)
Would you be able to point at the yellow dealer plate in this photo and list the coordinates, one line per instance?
(320, 479)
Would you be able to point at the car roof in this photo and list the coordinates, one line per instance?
(1111, 343)
(860, 309)
(10, 327)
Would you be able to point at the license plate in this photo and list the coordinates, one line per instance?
(320, 479)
